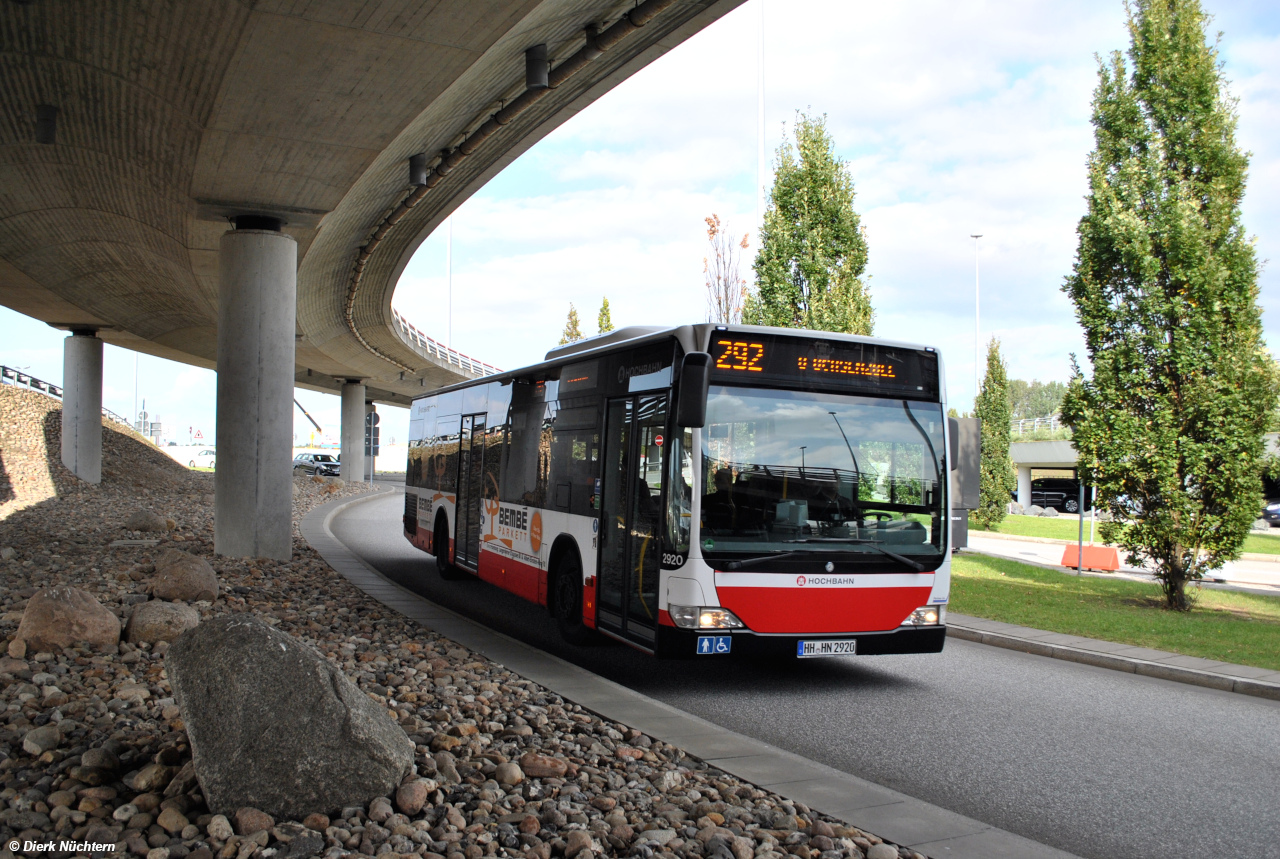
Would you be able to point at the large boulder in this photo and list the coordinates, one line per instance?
(181, 576)
(62, 616)
(158, 620)
(274, 726)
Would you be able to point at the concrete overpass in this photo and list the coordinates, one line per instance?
(238, 185)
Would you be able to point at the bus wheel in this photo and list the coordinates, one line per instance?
(569, 601)
(440, 543)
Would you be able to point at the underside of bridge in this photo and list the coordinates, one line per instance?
(131, 133)
(238, 185)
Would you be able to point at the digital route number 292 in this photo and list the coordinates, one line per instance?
(740, 355)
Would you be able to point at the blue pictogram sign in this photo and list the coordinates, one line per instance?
(708, 644)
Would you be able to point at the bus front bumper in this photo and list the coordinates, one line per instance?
(674, 643)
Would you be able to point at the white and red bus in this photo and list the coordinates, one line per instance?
(703, 490)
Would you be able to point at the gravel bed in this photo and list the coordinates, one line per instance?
(504, 766)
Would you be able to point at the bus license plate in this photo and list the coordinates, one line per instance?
(811, 649)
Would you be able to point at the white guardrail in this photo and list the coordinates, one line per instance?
(10, 376)
(433, 349)
(1052, 422)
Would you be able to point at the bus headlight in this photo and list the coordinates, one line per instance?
(928, 615)
(703, 617)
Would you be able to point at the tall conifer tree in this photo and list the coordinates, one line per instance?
(572, 327)
(604, 321)
(812, 248)
(1169, 424)
(997, 480)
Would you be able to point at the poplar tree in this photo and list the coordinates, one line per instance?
(1169, 424)
(604, 322)
(998, 479)
(812, 247)
(572, 328)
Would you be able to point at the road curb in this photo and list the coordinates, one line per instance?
(1116, 662)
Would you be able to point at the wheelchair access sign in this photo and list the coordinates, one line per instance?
(708, 644)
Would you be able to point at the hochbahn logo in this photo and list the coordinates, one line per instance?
(824, 581)
(625, 373)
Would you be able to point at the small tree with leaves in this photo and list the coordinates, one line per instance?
(726, 287)
(997, 480)
(1169, 425)
(813, 249)
(604, 322)
(572, 328)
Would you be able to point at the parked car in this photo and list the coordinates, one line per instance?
(323, 464)
(203, 459)
(1272, 512)
(1060, 493)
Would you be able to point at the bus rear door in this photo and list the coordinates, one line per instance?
(466, 545)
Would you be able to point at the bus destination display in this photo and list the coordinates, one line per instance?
(824, 364)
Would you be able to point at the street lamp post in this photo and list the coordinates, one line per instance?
(977, 339)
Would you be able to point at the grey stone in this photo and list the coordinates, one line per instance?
(145, 520)
(1048, 513)
(1261, 525)
(180, 576)
(1035, 510)
(40, 740)
(159, 620)
(7, 553)
(1015, 509)
(275, 726)
(882, 851)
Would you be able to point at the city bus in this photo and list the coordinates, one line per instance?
(701, 491)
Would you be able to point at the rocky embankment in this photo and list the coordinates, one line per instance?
(31, 468)
(94, 747)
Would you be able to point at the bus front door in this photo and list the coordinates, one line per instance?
(630, 517)
(466, 547)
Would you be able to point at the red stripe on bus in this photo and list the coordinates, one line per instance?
(793, 610)
(664, 618)
(521, 579)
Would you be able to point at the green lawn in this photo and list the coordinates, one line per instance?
(1225, 625)
(1067, 529)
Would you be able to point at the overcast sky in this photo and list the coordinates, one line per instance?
(955, 118)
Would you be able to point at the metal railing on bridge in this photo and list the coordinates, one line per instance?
(17, 378)
(433, 349)
(1030, 425)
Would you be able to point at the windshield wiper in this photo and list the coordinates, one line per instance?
(874, 545)
(747, 562)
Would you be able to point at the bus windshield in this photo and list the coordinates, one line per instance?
(796, 471)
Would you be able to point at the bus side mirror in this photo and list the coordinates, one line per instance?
(691, 396)
(953, 448)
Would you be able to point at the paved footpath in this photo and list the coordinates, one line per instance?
(1255, 573)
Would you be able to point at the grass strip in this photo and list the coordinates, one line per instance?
(1068, 529)
(1228, 626)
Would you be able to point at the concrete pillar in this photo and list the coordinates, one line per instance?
(82, 405)
(353, 411)
(1024, 486)
(257, 310)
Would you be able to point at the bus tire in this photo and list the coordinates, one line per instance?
(568, 601)
(440, 542)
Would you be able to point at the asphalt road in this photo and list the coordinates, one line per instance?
(1095, 762)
